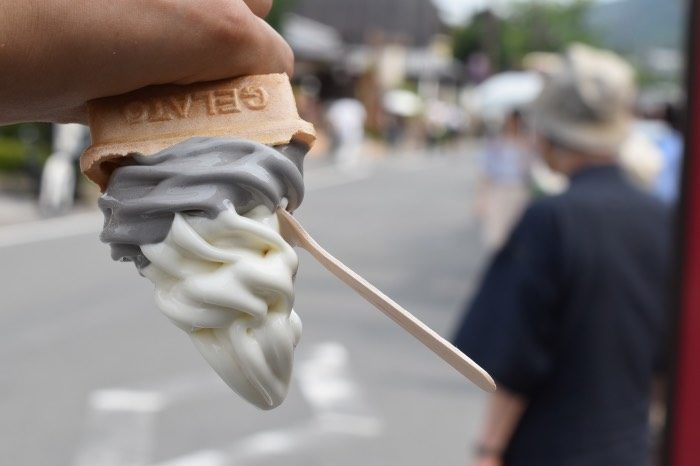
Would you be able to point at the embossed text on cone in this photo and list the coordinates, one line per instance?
(259, 108)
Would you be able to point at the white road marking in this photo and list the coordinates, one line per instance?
(119, 426)
(120, 422)
(325, 381)
(117, 437)
(202, 458)
(339, 410)
(126, 400)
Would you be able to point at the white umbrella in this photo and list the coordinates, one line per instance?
(402, 103)
(502, 93)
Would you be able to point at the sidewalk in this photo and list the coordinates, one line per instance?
(16, 208)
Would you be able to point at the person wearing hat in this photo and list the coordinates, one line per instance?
(569, 318)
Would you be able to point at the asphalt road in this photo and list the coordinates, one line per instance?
(93, 375)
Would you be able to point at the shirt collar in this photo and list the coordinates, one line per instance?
(596, 172)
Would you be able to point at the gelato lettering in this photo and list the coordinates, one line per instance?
(182, 106)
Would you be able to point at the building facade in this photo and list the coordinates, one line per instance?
(413, 22)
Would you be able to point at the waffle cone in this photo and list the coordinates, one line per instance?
(259, 108)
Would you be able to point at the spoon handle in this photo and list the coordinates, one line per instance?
(295, 234)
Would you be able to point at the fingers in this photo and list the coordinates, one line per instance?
(260, 8)
(271, 53)
(266, 50)
(77, 114)
(257, 48)
(247, 46)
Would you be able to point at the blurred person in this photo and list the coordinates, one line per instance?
(61, 172)
(502, 191)
(56, 56)
(653, 154)
(346, 117)
(640, 157)
(569, 317)
(444, 122)
(436, 118)
(307, 94)
(394, 127)
(670, 143)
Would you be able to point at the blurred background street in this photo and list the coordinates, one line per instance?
(420, 169)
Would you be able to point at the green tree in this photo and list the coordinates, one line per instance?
(279, 9)
(480, 36)
(529, 27)
(19, 143)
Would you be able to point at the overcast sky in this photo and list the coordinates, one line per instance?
(459, 10)
(456, 11)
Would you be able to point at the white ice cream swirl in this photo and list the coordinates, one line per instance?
(229, 283)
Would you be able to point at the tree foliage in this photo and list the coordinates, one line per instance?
(22, 144)
(530, 27)
(279, 9)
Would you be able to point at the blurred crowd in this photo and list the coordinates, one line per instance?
(511, 172)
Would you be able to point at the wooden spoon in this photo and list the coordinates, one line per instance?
(294, 234)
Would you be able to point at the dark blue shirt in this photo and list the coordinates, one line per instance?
(571, 314)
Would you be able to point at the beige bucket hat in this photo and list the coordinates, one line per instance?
(587, 100)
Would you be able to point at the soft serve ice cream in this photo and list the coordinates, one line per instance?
(198, 220)
(228, 283)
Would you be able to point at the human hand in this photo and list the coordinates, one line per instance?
(55, 56)
(488, 461)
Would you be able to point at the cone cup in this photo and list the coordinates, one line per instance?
(260, 108)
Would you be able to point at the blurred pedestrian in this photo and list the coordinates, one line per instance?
(569, 318)
(61, 172)
(346, 118)
(502, 191)
(640, 156)
(670, 143)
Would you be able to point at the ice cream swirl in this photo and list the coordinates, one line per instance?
(228, 283)
(197, 176)
(198, 220)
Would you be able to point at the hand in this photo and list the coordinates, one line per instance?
(57, 55)
(488, 461)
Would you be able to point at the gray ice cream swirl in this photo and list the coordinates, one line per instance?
(198, 176)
